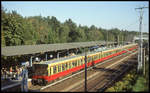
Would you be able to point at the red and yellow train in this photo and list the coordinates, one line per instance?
(48, 71)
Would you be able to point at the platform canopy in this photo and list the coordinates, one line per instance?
(41, 48)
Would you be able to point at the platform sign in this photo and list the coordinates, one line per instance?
(25, 63)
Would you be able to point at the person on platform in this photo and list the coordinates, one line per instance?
(24, 83)
(17, 73)
(11, 71)
(2, 72)
(5, 73)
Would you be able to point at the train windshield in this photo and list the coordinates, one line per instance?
(40, 69)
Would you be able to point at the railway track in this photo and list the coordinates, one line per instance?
(76, 79)
(105, 77)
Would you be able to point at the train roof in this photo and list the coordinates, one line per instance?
(59, 60)
(66, 58)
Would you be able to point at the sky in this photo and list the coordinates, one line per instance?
(106, 15)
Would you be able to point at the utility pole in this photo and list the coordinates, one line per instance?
(140, 41)
(46, 56)
(107, 38)
(122, 37)
(30, 63)
(144, 60)
(85, 72)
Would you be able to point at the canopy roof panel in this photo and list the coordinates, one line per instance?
(31, 49)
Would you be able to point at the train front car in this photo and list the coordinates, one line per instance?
(40, 74)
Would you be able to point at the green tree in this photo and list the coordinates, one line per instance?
(13, 28)
(63, 33)
(73, 34)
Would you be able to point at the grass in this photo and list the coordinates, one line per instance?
(140, 85)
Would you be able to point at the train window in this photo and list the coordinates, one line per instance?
(114, 51)
(94, 57)
(66, 65)
(59, 68)
(107, 53)
(103, 54)
(79, 62)
(110, 52)
(88, 59)
(54, 70)
(62, 67)
(91, 58)
(83, 61)
(99, 56)
(75, 63)
(69, 64)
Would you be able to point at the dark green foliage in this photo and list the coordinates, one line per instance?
(16, 30)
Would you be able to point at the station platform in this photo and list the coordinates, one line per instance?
(9, 85)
